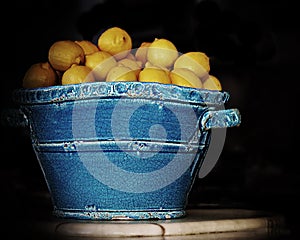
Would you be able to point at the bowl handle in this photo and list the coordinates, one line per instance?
(13, 117)
(221, 119)
(213, 119)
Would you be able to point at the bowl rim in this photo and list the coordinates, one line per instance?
(144, 90)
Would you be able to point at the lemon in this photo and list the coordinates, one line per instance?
(39, 75)
(63, 54)
(162, 52)
(212, 83)
(198, 62)
(141, 52)
(150, 65)
(87, 46)
(77, 74)
(132, 64)
(185, 77)
(121, 73)
(115, 41)
(154, 75)
(100, 62)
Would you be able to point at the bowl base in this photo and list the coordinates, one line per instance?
(120, 215)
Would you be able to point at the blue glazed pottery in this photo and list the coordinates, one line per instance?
(121, 150)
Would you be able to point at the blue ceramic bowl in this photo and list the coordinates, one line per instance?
(121, 150)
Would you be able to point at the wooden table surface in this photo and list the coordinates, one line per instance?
(197, 224)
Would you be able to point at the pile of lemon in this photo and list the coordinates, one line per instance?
(114, 59)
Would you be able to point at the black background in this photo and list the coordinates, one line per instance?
(254, 50)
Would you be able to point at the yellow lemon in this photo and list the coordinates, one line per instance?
(121, 73)
(39, 75)
(154, 75)
(115, 41)
(162, 52)
(150, 65)
(63, 54)
(198, 62)
(87, 46)
(132, 64)
(100, 62)
(77, 74)
(212, 83)
(185, 77)
(141, 52)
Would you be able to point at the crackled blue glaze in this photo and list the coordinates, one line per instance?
(122, 150)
